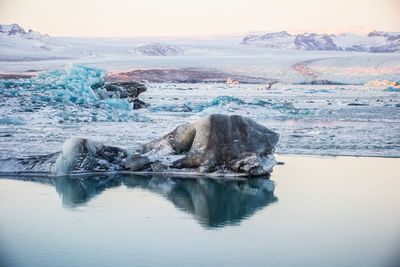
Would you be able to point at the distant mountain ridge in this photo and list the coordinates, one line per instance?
(17, 44)
(16, 30)
(158, 49)
(376, 41)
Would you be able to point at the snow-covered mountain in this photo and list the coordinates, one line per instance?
(16, 43)
(12, 29)
(271, 40)
(376, 41)
(16, 30)
(312, 41)
(157, 49)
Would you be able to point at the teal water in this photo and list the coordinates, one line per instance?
(312, 212)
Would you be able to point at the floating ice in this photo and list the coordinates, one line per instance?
(70, 151)
(69, 93)
(9, 120)
(309, 119)
(220, 101)
(79, 154)
(395, 89)
(231, 103)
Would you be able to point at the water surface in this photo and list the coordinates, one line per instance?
(322, 212)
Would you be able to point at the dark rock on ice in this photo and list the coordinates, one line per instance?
(218, 143)
(136, 162)
(122, 90)
(137, 104)
(126, 89)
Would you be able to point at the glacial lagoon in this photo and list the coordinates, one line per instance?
(312, 211)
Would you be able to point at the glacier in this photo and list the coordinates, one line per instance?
(270, 56)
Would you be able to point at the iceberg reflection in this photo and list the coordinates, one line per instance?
(214, 203)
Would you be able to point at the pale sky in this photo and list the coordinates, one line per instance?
(114, 18)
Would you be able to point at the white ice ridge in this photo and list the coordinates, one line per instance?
(72, 149)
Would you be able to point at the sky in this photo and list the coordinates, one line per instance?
(115, 18)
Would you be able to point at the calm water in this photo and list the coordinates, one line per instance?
(323, 212)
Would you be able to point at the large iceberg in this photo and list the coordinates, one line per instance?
(76, 93)
(216, 145)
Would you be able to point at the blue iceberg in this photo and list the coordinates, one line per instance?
(72, 93)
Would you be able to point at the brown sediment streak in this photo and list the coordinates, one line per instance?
(17, 75)
(191, 75)
(303, 68)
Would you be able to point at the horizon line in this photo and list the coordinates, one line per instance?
(356, 30)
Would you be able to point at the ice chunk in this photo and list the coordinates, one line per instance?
(72, 94)
(79, 154)
(11, 120)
